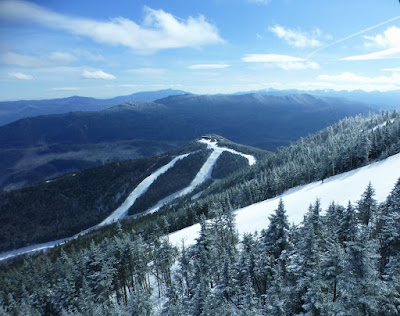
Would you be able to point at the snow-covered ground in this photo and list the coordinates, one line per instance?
(382, 125)
(204, 172)
(143, 186)
(44, 246)
(214, 146)
(341, 189)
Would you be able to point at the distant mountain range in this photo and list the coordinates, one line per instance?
(11, 111)
(388, 100)
(36, 148)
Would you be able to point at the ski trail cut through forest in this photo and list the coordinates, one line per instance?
(143, 186)
(203, 174)
(341, 189)
(119, 213)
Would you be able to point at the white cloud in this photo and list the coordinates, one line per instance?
(299, 65)
(391, 69)
(339, 86)
(62, 57)
(297, 38)
(97, 74)
(350, 77)
(285, 62)
(88, 55)
(29, 61)
(20, 76)
(208, 66)
(270, 58)
(160, 30)
(21, 60)
(148, 71)
(389, 40)
(383, 54)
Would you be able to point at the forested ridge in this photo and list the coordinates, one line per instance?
(345, 262)
(351, 143)
(62, 207)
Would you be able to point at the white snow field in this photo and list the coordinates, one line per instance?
(341, 189)
(203, 174)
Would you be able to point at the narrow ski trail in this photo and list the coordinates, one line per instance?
(143, 186)
(203, 174)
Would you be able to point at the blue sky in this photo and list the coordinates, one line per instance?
(52, 49)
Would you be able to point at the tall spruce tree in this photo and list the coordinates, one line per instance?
(363, 289)
(366, 206)
(348, 226)
(311, 286)
(276, 236)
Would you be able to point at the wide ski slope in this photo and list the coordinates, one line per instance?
(340, 189)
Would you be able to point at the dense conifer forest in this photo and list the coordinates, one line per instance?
(341, 261)
(346, 262)
(63, 206)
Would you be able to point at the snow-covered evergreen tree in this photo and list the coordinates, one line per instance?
(276, 236)
(363, 289)
(367, 206)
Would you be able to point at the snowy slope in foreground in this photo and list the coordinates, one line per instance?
(341, 189)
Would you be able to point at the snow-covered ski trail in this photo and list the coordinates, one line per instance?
(143, 186)
(203, 174)
(341, 189)
(214, 146)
